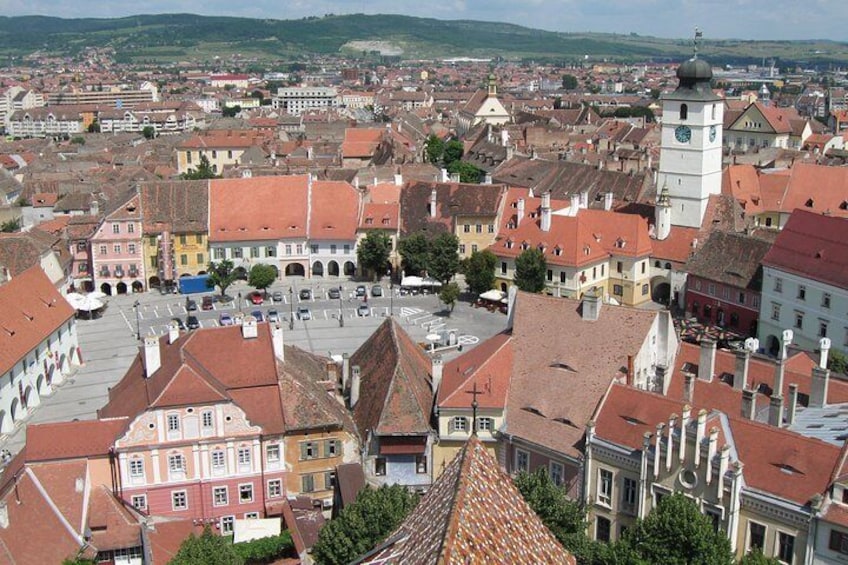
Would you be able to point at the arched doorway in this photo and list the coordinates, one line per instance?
(503, 287)
(333, 269)
(317, 269)
(106, 289)
(349, 269)
(241, 273)
(121, 288)
(660, 290)
(295, 270)
(13, 410)
(772, 345)
(39, 384)
(61, 363)
(5, 426)
(154, 282)
(30, 400)
(200, 273)
(137, 286)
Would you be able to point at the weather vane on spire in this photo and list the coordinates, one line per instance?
(697, 41)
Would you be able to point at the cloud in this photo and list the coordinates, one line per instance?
(742, 19)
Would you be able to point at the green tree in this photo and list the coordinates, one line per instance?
(756, 557)
(10, 226)
(453, 151)
(467, 171)
(230, 111)
(480, 271)
(372, 253)
(206, 549)
(222, 275)
(414, 251)
(530, 270)
(79, 140)
(449, 295)
(359, 527)
(149, 132)
(203, 171)
(443, 263)
(836, 361)
(569, 82)
(261, 276)
(94, 127)
(676, 533)
(434, 149)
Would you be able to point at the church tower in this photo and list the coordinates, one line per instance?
(691, 146)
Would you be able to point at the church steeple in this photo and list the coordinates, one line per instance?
(493, 85)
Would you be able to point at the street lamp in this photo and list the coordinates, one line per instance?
(341, 312)
(136, 304)
(239, 301)
(391, 293)
(291, 309)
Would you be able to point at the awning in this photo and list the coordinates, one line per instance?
(403, 445)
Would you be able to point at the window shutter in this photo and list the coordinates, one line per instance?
(302, 451)
(328, 481)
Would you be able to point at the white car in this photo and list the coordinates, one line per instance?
(363, 310)
(303, 313)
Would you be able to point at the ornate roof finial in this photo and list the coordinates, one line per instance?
(474, 392)
(697, 41)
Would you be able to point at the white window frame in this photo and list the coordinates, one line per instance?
(275, 485)
(272, 453)
(136, 465)
(518, 455)
(556, 471)
(176, 465)
(777, 545)
(174, 494)
(244, 458)
(225, 499)
(604, 488)
(227, 524)
(173, 424)
(207, 427)
(243, 487)
(459, 424)
(139, 502)
(218, 468)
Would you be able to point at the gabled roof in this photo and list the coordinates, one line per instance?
(258, 208)
(177, 206)
(812, 246)
(30, 310)
(488, 366)
(731, 259)
(473, 513)
(334, 211)
(72, 440)
(453, 200)
(21, 250)
(395, 392)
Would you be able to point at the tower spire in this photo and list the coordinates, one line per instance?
(699, 35)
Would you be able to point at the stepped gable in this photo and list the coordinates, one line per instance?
(395, 392)
(473, 513)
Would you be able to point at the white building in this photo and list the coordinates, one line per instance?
(296, 100)
(690, 158)
(38, 344)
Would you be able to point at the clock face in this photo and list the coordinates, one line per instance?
(712, 133)
(683, 134)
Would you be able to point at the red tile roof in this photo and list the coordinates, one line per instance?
(258, 208)
(380, 216)
(73, 440)
(812, 246)
(489, 366)
(334, 211)
(30, 310)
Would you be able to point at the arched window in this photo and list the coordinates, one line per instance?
(684, 112)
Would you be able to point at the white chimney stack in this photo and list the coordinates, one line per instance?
(785, 343)
(793, 404)
(749, 404)
(700, 429)
(398, 180)
(4, 515)
(824, 349)
(608, 201)
(345, 371)
(584, 198)
(356, 182)
(249, 329)
(444, 175)
(519, 208)
(173, 331)
(706, 364)
(546, 212)
(487, 178)
(740, 375)
(433, 203)
(277, 339)
(152, 356)
(574, 206)
(355, 379)
(436, 372)
(818, 387)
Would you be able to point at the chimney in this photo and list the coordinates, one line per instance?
(248, 328)
(443, 175)
(749, 404)
(574, 206)
(354, 385)
(591, 307)
(519, 212)
(436, 372)
(433, 203)
(4, 515)
(824, 349)
(277, 339)
(173, 331)
(94, 207)
(700, 429)
(356, 182)
(152, 356)
(608, 201)
(658, 449)
(487, 178)
(706, 364)
(398, 180)
(775, 416)
(740, 375)
(79, 485)
(584, 198)
(510, 151)
(711, 452)
(818, 387)
(786, 342)
(684, 422)
(793, 404)
(345, 371)
(688, 387)
(669, 446)
(546, 212)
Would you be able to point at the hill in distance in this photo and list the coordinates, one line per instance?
(167, 38)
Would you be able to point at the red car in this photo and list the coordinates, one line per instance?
(256, 298)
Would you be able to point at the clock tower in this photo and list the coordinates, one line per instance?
(691, 146)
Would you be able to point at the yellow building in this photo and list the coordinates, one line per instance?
(222, 148)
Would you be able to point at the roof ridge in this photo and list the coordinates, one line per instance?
(451, 524)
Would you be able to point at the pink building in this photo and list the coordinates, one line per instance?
(80, 230)
(116, 254)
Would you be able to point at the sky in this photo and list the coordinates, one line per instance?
(720, 19)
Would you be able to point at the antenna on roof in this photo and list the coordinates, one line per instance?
(699, 35)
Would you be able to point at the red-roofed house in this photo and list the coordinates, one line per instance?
(116, 249)
(761, 485)
(221, 147)
(761, 125)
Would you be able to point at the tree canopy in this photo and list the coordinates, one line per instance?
(569, 82)
(222, 275)
(203, 171)
(10, 226)
(206, 549)
(414, 251)
(434, 149)
(443, 262)
(362, 525)
(373, 251)
(466, 171)
(453, 151)
(480, 271)
(449, 295)
(261, 276)
(530, 270)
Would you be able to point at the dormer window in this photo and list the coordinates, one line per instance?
(525, 246)
(809, 203)
(509, 244)
(557, 250)
(620, 243)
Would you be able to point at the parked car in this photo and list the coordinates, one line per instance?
(334, 293)
(256, 298)
(363, 310)
(206, 303)
(277, 296)
(376, 290)
(180, 323)
(361, 291)
(273, 316)
(305, 294)
(191, 305)
(303, 313)
(258, 315)
(225, 319)
(192, 322)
